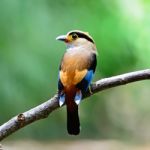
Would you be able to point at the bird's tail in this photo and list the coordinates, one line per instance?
(73, 122)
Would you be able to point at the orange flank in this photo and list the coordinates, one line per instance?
(70, 79)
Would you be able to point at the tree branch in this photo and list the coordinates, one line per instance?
(42, 111)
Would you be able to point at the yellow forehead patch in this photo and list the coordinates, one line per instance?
(69, 38)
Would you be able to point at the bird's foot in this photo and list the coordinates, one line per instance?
(90, 90)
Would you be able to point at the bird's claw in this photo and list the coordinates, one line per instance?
(90, 90)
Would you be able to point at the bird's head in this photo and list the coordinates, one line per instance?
(76, 38)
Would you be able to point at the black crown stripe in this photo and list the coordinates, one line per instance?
(82, 35)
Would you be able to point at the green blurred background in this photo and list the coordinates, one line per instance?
(30, 56)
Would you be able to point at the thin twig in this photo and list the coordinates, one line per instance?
(42, 111)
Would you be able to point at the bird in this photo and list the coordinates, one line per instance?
(76, 71)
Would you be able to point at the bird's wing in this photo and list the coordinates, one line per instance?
(85, 82)
(77, 69)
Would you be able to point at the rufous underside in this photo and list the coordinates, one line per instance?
(73, 70)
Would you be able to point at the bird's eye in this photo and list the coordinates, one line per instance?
(74, 36)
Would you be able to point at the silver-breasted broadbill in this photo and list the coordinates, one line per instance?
(76, 71)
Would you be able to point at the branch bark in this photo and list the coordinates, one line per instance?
(42, 111)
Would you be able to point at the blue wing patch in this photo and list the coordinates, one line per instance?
(84, 84)
(89, 76)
